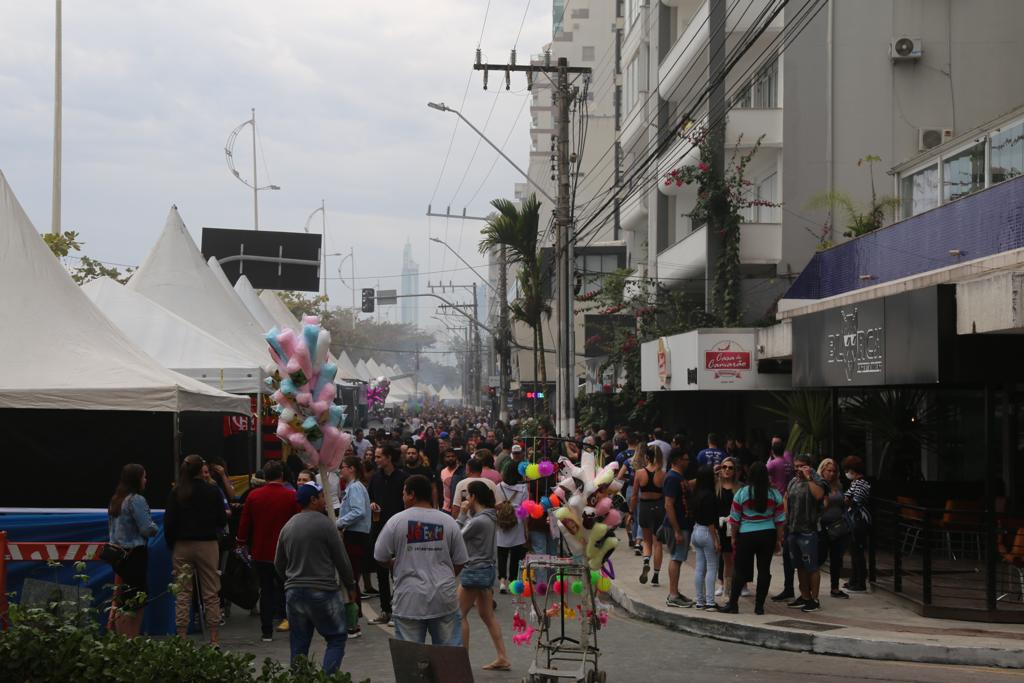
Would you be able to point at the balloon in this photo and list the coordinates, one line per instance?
(546, 467)
(522, 468)
(516, 587)
(554, 500)
(545, 503)
(595, 576)
(604, 584)
(522, 512)
(533, 471)
(556, 587)
(577, 587)
(527, 590)
(542, 588)
(536, 511)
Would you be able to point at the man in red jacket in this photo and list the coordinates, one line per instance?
(264, 515)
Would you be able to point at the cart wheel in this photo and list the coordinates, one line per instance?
(591, 677)
(602, 677)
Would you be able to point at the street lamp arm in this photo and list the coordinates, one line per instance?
(459, 256)
(443, 107)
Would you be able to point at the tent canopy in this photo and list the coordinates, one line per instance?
(253, 303)
(177, 277)
(279, 312)
(58, 351)
(173, 341)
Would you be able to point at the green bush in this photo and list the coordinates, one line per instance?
(43, 646)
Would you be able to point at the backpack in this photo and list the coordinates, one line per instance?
(506, 513)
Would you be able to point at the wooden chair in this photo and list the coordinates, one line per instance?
(1014, 558)
(912, 519)
(961, 517)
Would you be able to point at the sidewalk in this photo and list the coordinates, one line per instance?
(873, 625)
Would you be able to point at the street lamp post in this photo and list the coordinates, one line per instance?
(323, 246)
(350, 255)
(229, 154)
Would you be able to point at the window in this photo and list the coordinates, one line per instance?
(635, 82)
(588, 53)
(963, 173)
(633, 10)
(1008, 153)
(766, 190)
(593, 268)
(920, 191)
(762, 92)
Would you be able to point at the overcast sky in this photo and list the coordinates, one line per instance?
(152, 90)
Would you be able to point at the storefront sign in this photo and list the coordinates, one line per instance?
(727, 361)
(664, 363)
(886, 341)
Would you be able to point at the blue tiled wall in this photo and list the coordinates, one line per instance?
(986, 223)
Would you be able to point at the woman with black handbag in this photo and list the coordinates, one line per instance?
(834, 537)
(129, 524)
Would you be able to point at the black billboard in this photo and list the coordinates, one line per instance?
(906, 338)
(271, 260)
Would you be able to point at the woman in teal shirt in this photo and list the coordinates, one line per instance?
(758, 516)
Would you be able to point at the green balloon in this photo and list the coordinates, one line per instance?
(577, 587)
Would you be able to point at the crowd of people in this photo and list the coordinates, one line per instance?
(422, 514)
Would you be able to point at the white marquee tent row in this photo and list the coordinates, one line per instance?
(61, 352)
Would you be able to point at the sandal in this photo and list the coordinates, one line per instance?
(494, 666)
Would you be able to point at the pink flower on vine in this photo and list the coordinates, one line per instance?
(704, 168)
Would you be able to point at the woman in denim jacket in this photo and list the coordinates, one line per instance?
(130, 524)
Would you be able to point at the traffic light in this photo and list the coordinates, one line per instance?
(368, 300)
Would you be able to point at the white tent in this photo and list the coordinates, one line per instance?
(374, 369)
(253, 303)
(58, 351)
(447, 394)
(282, 316)
(361, 372)
(176, 276)
(346, 370)
(173, 341)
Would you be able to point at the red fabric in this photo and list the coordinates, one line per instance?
(265, 513)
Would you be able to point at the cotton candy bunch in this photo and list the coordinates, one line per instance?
(304, 393)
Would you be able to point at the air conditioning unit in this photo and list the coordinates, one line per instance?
(927, 138)
(905, 48)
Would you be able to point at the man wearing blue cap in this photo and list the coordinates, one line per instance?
(310, 557)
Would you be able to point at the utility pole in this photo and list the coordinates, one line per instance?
(474, 352)
(255, 184)
(477, 352)
(57, 99)
(504, 347)
(564, 235)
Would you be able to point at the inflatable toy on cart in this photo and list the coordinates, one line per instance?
(377, 393)
(567, 589)
(304, 392)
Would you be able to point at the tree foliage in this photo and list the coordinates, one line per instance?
(860, 220)
(67, 244)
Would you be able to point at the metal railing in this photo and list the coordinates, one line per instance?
(962, 557)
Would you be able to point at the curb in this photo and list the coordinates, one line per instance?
(778, 638)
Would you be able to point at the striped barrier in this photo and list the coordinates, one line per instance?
(40, 551)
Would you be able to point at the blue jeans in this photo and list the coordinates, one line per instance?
(323, 610)
(446, 630)
(706, 571)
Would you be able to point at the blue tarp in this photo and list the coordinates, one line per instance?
(90, 526)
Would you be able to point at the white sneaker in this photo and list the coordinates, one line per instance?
(503, 587)
(719, 592)
(745, 592)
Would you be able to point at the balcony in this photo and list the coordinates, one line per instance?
(760, 243)
(750, 124)
(692, 43)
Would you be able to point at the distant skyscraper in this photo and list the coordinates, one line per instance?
(410, 285)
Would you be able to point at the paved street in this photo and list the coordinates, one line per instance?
(633, 650)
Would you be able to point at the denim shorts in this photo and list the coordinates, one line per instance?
(803, 550)
(678, 552)
(480, 577)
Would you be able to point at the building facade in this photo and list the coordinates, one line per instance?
(409, 310)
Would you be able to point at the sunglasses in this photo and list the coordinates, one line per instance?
(727, 467)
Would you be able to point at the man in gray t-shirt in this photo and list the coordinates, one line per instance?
(803, 512)
(424, 548)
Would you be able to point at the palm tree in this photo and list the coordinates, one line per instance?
(515, 230)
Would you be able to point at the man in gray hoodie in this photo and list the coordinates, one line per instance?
(310, 557)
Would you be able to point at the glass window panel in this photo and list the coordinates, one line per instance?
(920, 191)
(964, 173)
(1008, 153)
(610, 263)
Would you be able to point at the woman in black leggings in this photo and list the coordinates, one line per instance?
(758, 517)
